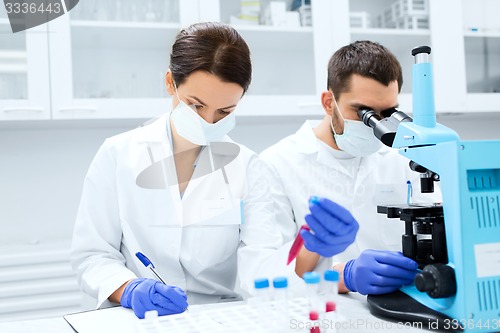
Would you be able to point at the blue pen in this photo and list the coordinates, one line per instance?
(410, 190)
(148, 264)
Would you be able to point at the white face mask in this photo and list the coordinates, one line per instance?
(357, 139)
(192, 127)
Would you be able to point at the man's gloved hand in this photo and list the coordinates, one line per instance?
(333, 227)
(379, 272)
(147, 294)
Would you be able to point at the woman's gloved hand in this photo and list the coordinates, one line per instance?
(379, 272)
(333, 227)
(147, 294)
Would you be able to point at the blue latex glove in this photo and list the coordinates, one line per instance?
(333, 227)
(379, 272)
(147, 294)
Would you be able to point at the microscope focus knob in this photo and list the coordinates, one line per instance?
(437, 280)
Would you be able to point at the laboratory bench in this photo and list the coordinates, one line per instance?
(353, 309)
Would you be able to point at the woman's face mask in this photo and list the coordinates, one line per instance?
(192, 127)
(357, 139)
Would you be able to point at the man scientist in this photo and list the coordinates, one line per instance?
(339, 158)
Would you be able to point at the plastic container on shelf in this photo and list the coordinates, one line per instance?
(274, 13)
(304, 9)
(360, 20)
(388, 18)
(250, 12)
(413, 23)
(403, 8)
(405, 14)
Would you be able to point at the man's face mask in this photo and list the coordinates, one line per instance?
(357, 139)
(192, 127)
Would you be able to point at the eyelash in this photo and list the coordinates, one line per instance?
(222, 112)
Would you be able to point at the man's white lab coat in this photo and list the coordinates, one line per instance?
(305, 166)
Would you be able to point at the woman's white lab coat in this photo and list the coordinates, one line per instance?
(304, 166)
(131, 203)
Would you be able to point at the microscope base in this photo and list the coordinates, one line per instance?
(400, 306)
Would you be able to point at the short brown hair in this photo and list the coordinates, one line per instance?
(212, 47)
(365, 58)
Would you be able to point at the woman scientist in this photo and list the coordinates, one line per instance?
(181, 192)
(156, 190)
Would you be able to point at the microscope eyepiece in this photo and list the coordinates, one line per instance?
(421, 49)
(384, 128)
(388, 112)
(366, 116)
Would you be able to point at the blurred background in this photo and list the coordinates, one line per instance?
(98, 71)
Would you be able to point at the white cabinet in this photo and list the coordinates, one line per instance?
(481, 39)
(465, 59)
(24, 72)
(111, 63)
(289, 61)
(108, 58)
(398, 27)
(112, 57)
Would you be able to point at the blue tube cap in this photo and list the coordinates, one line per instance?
(261, 283)
(311, 277)
(280, 282)
(331, 275)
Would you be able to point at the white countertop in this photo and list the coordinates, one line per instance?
(352, 306)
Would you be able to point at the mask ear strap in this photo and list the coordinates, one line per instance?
(175, 86)
(337, 107)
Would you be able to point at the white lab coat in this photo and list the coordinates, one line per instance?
(118, 218)
(305, 166)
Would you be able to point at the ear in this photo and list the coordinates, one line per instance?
(169, 83)
(327, 102)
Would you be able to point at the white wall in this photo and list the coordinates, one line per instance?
(42, 165)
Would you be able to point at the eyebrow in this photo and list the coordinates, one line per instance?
(360, 106)
(202, 103)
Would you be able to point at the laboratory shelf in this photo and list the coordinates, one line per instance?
(13, 62)
(124, 24)
(396, 42)
(266, 38)
(492, 34)
(123, 34)
(391, 32)
(269, 28)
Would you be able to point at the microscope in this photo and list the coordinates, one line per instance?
(457, 243)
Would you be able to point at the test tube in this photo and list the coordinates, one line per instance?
(332, 285)
(280, 285)
(261, 301)
(331, 278)
(312, 287)
(262, 290)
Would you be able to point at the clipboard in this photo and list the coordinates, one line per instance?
(114, 319)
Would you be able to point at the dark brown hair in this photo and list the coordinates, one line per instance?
(365, 58)
(212, 47)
